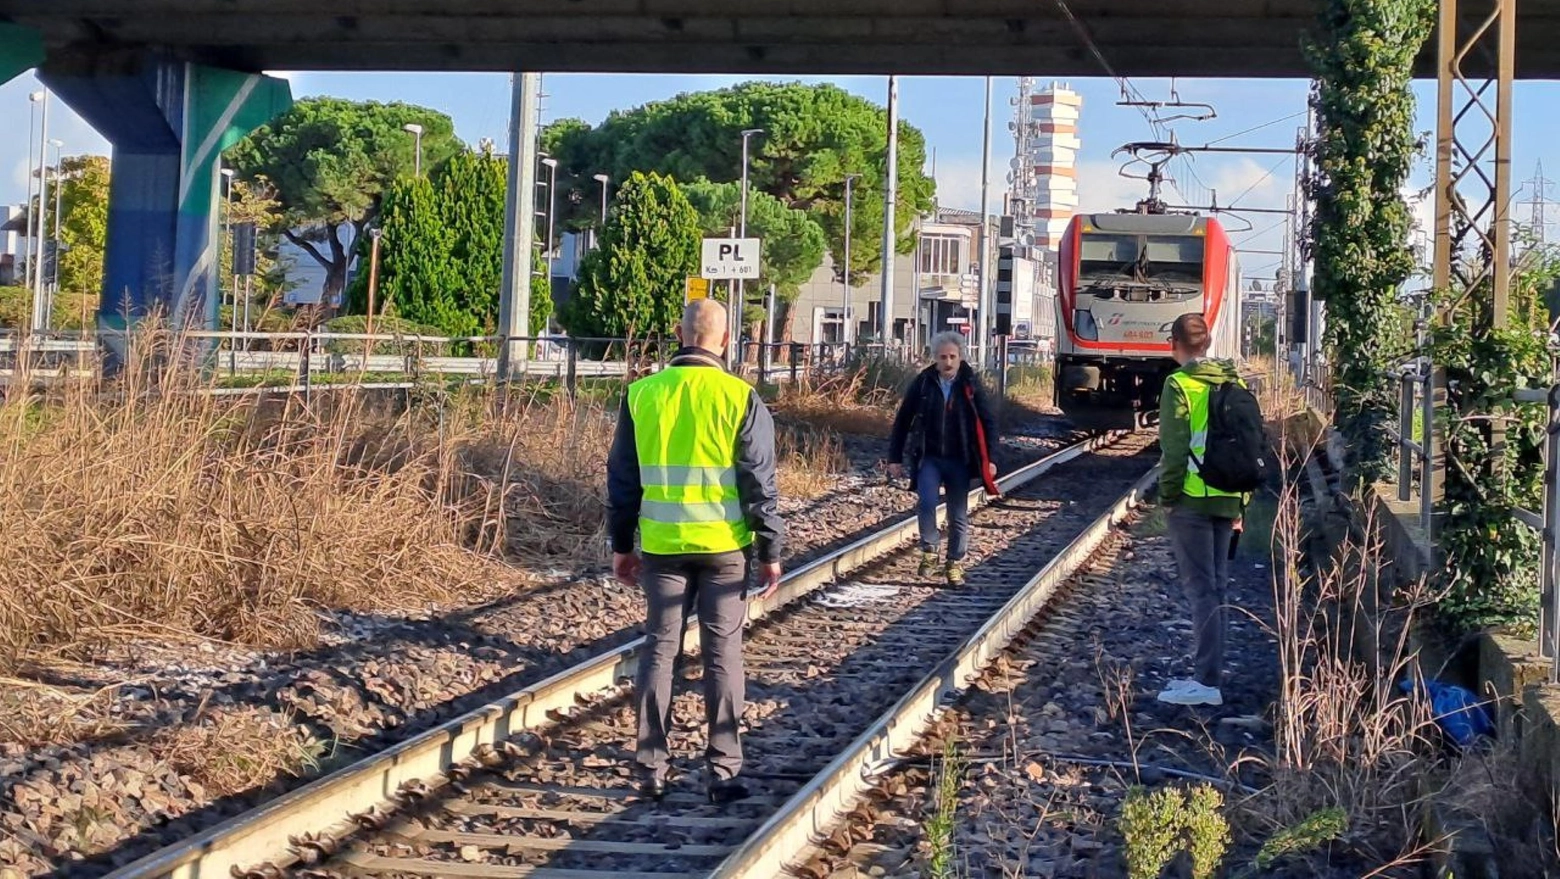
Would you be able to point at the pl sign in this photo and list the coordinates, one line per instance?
(729, 259)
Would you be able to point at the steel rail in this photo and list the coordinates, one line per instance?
(325, 808)
(809, 814)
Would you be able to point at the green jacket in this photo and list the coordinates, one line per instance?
(1175, 440)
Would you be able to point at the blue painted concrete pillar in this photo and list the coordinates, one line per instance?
(21, 49)
(169, 122)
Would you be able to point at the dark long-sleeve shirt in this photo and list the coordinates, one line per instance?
(936, 422)
(757, 479)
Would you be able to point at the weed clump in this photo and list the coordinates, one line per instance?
(1157, 826)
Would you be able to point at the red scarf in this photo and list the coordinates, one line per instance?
(980, 446)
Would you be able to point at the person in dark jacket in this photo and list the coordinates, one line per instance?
(693, 470)
(943, 437)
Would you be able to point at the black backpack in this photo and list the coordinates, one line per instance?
(1236, 458)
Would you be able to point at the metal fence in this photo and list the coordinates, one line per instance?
(1414, 438)
(310, 356)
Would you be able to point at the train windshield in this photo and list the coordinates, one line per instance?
(1108, 257)
(1176, 258)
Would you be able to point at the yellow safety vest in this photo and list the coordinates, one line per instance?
(686, 421)
(1197, 393)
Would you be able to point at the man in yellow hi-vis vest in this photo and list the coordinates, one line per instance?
(692, 469)
(1202, 518)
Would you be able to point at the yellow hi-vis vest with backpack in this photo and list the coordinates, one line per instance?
(1197, 393)
(686, 422)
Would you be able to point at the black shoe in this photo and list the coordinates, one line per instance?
(727, 790)
(653, 788)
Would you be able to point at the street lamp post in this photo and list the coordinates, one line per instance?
(27, 237)
(59, 189)
(39, 315)
(739, 299)
(845, 322)
(552, 209)
(417, 132)
(227, 177)
(602, 179)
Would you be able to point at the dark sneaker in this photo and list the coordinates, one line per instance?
(928, 564)
(727, 790)
(653, 788)
(955, 574)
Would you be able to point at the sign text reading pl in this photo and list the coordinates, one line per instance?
(729, 258)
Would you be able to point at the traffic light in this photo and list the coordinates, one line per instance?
(1004, 307)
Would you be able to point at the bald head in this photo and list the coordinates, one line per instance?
(704, 325)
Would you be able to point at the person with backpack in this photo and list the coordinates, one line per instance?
(944, 427)
(1213, 455)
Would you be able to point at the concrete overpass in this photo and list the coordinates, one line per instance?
(1247, 38)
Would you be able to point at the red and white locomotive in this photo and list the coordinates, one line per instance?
(1123, 278)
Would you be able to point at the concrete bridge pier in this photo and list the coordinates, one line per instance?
(169, 122)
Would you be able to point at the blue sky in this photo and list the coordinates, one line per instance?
(948, 110)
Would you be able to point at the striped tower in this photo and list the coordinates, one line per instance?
(1045, 174)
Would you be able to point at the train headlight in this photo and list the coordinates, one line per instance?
(1084, 325)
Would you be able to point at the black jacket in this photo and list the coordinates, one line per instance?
(755, 466)
(927, 425)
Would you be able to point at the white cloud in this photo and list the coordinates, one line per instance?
(958, 183)
(1102, 189)
(1246, 182)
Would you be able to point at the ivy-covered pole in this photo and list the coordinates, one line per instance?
(1363, 54)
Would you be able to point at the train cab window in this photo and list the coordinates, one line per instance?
(1174, 257)
(1107, 256)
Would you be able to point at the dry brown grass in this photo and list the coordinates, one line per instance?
(1346, 737)
(859, 401)
(175, 514)
(231, 751)
(35, 714)
(811, 461)
(148, 509)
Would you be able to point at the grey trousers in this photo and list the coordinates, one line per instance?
(1202, 546)
(674, 587)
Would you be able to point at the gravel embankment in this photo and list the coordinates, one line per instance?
(152, 743)
(1048, 749)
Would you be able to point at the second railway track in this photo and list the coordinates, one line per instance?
(541, 784)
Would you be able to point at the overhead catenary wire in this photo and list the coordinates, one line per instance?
(1128, 90)
(1269, 124)
(1259, 181)
(1259, 234)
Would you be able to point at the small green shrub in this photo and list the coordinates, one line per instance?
(1157, 826)
(1150, 827)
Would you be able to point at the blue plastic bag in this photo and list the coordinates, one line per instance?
(1457, 711)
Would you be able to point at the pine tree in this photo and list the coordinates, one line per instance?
(633, 285)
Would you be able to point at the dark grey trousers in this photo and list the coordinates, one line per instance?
(674, 587)
(1202, 547)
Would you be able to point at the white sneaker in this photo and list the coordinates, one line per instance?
(1191, 693)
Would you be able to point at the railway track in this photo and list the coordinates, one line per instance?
(540, 783)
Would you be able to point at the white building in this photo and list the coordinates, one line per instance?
(13, 244)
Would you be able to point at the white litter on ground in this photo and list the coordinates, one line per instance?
(857, 594)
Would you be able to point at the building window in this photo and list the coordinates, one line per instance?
(940, 254)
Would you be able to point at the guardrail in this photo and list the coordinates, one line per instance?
(308, 354)
(1416, 451)
(1547, 524)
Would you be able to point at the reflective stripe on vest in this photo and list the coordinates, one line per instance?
(1197, 396)
(686, 421)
